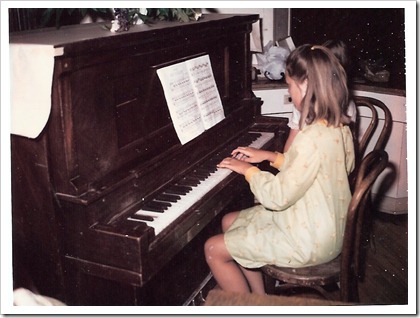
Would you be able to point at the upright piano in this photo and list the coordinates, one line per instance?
(109, 150)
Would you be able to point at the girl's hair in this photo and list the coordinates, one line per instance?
(341, 51)
(327, 93)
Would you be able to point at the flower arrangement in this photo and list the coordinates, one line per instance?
(126, 17)
(122, 19)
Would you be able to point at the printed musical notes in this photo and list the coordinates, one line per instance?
(193, 99)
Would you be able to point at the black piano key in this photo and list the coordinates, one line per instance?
(162, 203)
(200, 170)
(201, 173)
(211, 166)
(143, 217)
(188, 181)
(153, 209)
(177, 189)
(191, 179)
(168, 197)
(151, 206)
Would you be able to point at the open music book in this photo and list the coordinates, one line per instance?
(191, 94)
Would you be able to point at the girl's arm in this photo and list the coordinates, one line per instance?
(299, 168)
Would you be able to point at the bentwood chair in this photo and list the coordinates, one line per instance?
(367, 107)
(369, 133)
(346, 269)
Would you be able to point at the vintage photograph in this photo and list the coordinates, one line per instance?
(208, 160)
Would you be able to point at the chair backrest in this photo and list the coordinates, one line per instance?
(373, 104)
(361, 142)
(370, 168)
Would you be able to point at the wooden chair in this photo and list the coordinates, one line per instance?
(344, 270)
(364, 103)
(361, 142)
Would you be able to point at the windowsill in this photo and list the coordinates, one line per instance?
(264, 84)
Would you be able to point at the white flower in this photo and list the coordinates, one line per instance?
(115, 25)
(197, 15)
(143, 11)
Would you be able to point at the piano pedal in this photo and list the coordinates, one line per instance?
(197, 298)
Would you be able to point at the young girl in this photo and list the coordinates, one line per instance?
(301, 217)
(340, 50)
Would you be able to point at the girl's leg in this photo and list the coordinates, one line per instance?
(228, 220)
(225, 270)
(255, 280)
(254, 277)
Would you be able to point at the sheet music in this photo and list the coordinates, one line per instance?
(192, 96)
(206, 91)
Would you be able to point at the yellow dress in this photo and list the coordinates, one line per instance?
(303, 209)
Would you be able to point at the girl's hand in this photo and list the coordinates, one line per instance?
(252, 155)
(236, 165)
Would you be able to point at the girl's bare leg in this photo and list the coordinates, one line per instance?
(225, 270)
(228, 220)
(253, 277)
(255, 280)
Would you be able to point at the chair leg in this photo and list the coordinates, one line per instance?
(269, 284)
(370, 225)
(349, 291)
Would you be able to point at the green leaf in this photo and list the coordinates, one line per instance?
(182, 16)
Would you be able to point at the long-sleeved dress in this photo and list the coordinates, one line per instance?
(301, 218)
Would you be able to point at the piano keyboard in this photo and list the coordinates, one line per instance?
(176, 198)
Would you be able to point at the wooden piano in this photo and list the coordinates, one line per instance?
(109, 148)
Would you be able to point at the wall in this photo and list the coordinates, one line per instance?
(265, 14)
(275, 21)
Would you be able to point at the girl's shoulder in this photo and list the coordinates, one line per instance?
(315, 127)
(320, 129)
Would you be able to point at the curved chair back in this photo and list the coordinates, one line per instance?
(361, 142)
(372, 104)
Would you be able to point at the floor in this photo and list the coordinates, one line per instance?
(386, 272)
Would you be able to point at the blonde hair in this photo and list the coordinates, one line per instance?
(327, 93)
